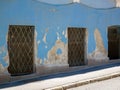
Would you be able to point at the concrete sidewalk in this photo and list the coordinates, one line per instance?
(63, 81)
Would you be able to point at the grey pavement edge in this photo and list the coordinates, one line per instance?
(81, 83)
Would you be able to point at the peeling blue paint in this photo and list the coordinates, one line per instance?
(30, 12)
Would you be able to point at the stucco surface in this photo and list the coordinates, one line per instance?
(51, 23)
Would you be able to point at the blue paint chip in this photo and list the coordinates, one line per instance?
(59, 51)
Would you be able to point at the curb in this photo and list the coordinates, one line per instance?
(84, 82)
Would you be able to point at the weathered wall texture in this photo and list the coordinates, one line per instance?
(100, 53)
(4, 58)
(51, 23)
(55, 58)
(117, 3)
(1, 69)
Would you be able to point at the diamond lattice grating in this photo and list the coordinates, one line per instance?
(21, 49)
(76, 46)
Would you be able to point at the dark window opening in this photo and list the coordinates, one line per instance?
(114, 42)
(21, 49)
(76, 46)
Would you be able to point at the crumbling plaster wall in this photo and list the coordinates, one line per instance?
(58, 52)
(51, 23)
(99, 54)
(117, 3)
(4, 59)
(54, 58)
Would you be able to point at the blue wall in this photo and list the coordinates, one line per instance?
(54, 18)
(90, 3)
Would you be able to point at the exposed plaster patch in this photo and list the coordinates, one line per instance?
(99, 42)
(44, 38)
(53, 57)
(117, 3)
(45, 35)
(36, 44)
(38, 61)
(35, 34)
(58, 36)
(86, 38)
(86, 46)
(2, 69)
(100, 54)
(63, 32)
(66, 34)
(6, 58)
